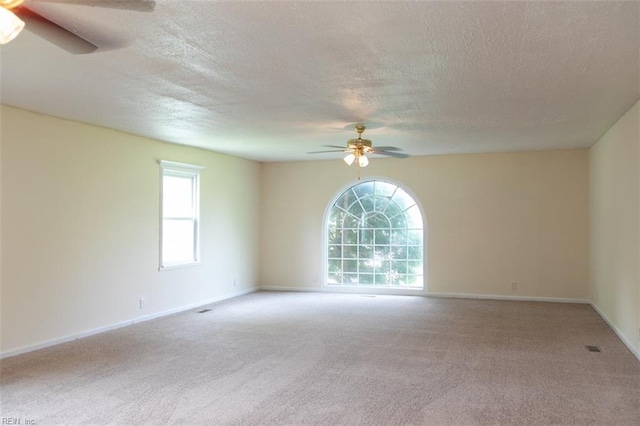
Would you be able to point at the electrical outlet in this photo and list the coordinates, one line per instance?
(142, 303)
(514, 285)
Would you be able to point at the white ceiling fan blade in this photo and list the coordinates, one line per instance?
(54, 33)
(134, 5)
(322, 152)
(387, 148)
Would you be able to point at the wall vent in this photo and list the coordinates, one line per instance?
(593, 348)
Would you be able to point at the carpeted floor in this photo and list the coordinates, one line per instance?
(273, 358)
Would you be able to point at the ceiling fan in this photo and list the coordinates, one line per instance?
(16, 15)
(357, 149)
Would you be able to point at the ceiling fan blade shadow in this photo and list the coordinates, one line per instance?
(391, 154)
(54, 33)
(134, 5)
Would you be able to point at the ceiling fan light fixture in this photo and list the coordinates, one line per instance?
(10, 4)
(350, 158)
(363, 161)
(10, 25)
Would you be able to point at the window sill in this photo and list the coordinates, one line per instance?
(178, 266)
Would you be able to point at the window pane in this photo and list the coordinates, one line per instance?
(356, 209)
(177, 241)
(334, 278)
(399, 267)
(350, 252)
(345, 200)
(364, 189)
(399, 237)
(366, 252)
(414, 218)
(393, 209)
(380, 203)
(336, 218)
(414, 267)
(366, 236)
(349, 265)
(335, 265)
(382, 252)
(177, 196)
(383, 236)
(334, 237)
(350, 236)
(335, 252)
(367, 203)
(398, 221)
(414, 237)
(365, 265)
(366, 279)
(414, 252)
(414, 281)
(377, 220)
(381, 279)
(383, 265)
(350, 221)
(398, 252)
(351, 279)
(384, 188)
(403, 199)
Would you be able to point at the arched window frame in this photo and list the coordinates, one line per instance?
(372, 289)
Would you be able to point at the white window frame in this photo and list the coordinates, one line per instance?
(172, 168)
(368, 288)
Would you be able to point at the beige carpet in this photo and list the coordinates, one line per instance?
(325, 359)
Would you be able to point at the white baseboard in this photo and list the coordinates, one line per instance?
(615, 329)
(505, 297)
(121, 324)
(404, 292)
(350, 290)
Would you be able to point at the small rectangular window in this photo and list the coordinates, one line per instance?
(180, 217)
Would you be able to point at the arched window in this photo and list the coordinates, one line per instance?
(374, 238)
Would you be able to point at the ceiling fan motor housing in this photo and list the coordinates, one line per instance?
(358, 143)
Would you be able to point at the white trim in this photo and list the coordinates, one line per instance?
(170, 267)
(504, 297)
(619, 333)
(121, 324)
(176, 165)
(351, 290)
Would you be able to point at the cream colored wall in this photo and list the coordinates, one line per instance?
(492, 219)
(80, 221)
(615, 230)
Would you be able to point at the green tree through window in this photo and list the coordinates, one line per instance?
(375, 238)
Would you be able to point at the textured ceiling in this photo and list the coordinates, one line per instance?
(273, 80)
